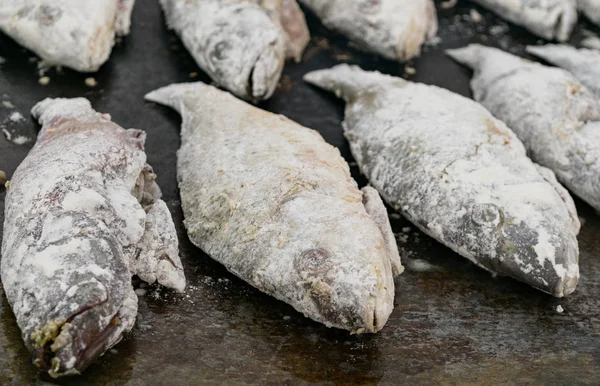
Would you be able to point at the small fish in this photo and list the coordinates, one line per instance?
(549, 19)
(276, 205)
(395, 29)
(591, 9)
(72, 33)
(460, 175)
(583, 63)
(241, 44)
(83, 214)
(550, 110)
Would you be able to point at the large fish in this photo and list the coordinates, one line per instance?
(241, 44)
(83, 214)
(460, 175)
(72, 33)
(395, 29)
(276, 204)
(583, 63)
(591, 9)
(549, 19)
(552, 112)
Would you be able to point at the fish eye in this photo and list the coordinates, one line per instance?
(221, 51)
(488, 215)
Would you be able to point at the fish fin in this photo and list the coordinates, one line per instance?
(551, 53)
(123, 20)
(376, 209)
(550, 177)
(156, 256)
(293, 22)
(469, 56)
(347, 81)
(174, 95)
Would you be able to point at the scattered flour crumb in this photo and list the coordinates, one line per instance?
(2, 177)
(448, 4)
(475, 16)
(559, 309)
(8, 105)
(408, 70)
(113, 351)
(91, 82)
(286, 317)
(419, 265)
(44, 80)
(406, 230)
(193, 74)
(7, 134)
(17, 117)
(21, 140)
(140, 292)
(395, 216)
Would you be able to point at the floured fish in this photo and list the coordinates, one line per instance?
(72, 33)
(549, 19)
(276, 204)
(591, 9)
(552, 112)
(240, 44)
(395, 29)
(460, 175)
(583, 63)
(83, 214)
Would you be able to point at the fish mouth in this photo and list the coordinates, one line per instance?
(264, 74)
(68, 347)
(567, 282)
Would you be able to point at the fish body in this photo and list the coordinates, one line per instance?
(460, 175)
(591, 9)
(549, 19)
(276, 205)
(72, 33)
(395, 29)
(556, 117)
(583, 63)
(241, 44)
(83, 214)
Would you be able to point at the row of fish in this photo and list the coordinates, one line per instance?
(243, 44)
(276, 205)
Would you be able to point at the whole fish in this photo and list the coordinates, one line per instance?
(549, 19)
(583, 63)
(276, 205)
(591, 9)
(552, 112)
(83, 214)
(460, 175)
(395, 29)
(72, 33)
(240, 44)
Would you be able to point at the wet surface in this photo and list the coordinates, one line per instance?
(453, 323)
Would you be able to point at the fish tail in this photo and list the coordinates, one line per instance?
(52, 109)
(174, 95)
(469, 56)
(346, 81)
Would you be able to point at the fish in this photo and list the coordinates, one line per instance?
(241, 44)
(394, 29)
(276, 205)
(459, 175)
(71, 33)
(83, 214)
(549, 19)
(556, 117)
(591, 9)
(583, 63)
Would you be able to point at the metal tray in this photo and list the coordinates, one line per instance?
(453, 323)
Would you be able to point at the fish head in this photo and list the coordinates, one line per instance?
(246, 54)
(87, 321)
(534, 245)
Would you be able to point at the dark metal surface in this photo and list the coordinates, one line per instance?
(453, 323)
